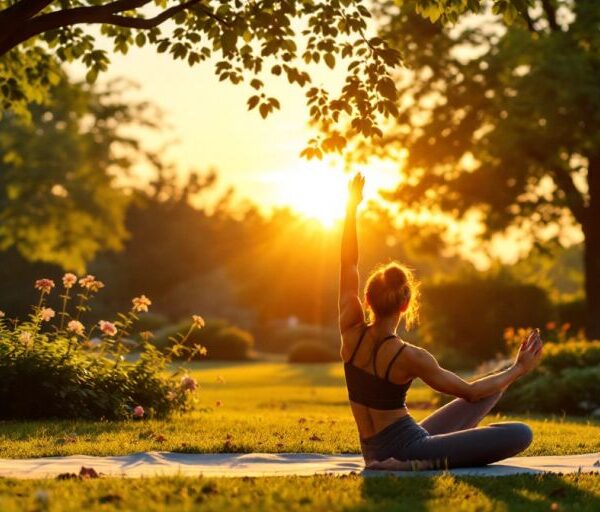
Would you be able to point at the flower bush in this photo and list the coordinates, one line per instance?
(54, 366)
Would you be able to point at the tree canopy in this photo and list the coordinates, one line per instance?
(503, 120)
(59, 197)
(245, 42)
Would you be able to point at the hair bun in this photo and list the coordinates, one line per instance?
(395, 277)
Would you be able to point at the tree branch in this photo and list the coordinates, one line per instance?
(12, 17)
(23, 10)
(104, 14)
(528, 20)
(550, 11)
(564, 181)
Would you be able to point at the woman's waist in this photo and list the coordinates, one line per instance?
(371, 421)
(402, 428)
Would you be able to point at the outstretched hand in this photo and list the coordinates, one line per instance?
(530, 352)
(355, 189)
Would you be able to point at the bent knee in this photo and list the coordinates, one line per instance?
(520, 435)
(516, 434)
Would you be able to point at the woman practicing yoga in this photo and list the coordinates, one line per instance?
(380, 367)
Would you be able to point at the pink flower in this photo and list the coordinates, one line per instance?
(44, 285)
(69, 280)
(198, 321)
(138, 411)
(26, 338)
(141, 303)
(75, 326)
(89, 282)
(107, 328)
(46, 314)
(188, 383)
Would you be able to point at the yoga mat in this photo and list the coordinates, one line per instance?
(150, 464)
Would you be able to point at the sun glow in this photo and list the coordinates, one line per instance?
(318, 189)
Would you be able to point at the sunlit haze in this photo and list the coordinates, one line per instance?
(207, 126)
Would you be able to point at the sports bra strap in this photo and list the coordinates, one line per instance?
(358, 345)
(387, 372)
(375, 352)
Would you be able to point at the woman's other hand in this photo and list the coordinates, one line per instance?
(355, 189)
(530, 352)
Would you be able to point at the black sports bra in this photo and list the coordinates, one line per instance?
(371, 390)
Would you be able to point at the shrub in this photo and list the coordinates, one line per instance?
(468, 317)
(221, 340)
(312, 351)
(572, 313)
(566, 380)
(151, 322)
(51, 366)
(279, 336)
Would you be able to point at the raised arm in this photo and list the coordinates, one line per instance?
(427, 368)
(350, 308)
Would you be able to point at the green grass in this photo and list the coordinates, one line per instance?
(269, 407)
(327, 493)
(275, 407)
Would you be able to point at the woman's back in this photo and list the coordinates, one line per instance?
(376, 377)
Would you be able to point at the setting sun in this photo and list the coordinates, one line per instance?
(318, 189)
(315, 190)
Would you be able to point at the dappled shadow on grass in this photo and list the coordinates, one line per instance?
(538, 492)
(515, 493)
(395, 493)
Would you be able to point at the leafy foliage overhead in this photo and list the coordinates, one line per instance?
(244, 41)
(500, 118)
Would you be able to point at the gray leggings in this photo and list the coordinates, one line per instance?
(448, 437)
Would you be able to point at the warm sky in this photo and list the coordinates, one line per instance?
(207, 125)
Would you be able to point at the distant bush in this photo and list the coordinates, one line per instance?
(50, 368)
(279, 337)
(312, 351)
(567, 380)
(151, 322)
(572, 313)
(222, 340)
(467, 318)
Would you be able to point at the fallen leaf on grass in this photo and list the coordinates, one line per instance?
(66, 476)
(88, 473)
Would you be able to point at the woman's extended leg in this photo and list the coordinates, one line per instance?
(471, 447)
(459, 415)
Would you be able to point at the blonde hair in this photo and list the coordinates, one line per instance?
(390, 289)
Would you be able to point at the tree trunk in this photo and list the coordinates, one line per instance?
(591, 231)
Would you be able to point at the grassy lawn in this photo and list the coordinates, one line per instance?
(274, 407)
